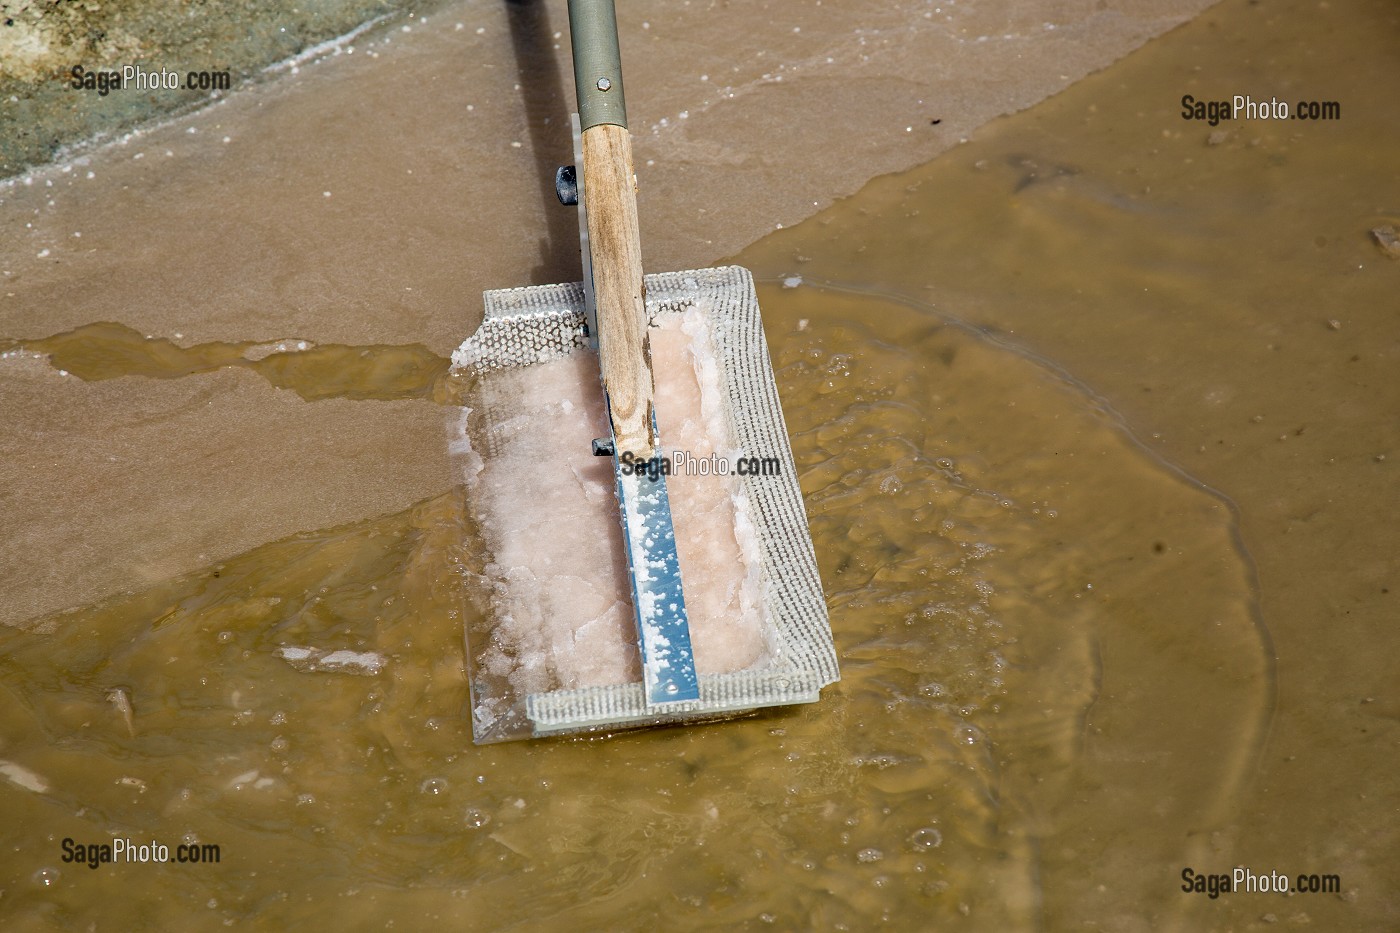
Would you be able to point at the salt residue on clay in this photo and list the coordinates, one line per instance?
(559, 596)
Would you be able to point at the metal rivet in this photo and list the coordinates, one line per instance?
(604, 84)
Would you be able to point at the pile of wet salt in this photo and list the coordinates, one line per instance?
(559, 595)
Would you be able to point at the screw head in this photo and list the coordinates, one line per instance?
(604, 84)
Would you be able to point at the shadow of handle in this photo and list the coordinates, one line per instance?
(547, 109)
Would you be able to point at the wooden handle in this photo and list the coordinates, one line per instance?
(615, 247)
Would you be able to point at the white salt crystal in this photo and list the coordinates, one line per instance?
(23, 777)
(548, 511)
(342, 661)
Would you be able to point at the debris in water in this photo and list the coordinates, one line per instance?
(367, 663)
(122, 701)
(1388, 240)
(23, 777)
(262, 351)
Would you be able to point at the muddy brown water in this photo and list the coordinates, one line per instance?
(987, 574)
(1095, 421)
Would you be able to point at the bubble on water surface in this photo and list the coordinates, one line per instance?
(926, 838)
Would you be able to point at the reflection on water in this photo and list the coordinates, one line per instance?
(1003, 564)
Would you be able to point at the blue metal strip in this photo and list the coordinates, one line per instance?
(663, 629)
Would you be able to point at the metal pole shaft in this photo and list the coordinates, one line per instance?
(597, 63)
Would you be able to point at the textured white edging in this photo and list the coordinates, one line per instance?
(599, 707)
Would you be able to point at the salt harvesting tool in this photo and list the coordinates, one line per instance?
(536, 610)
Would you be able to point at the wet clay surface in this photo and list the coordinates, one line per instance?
(1070, 669)
(366, 201)
(437, 145)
